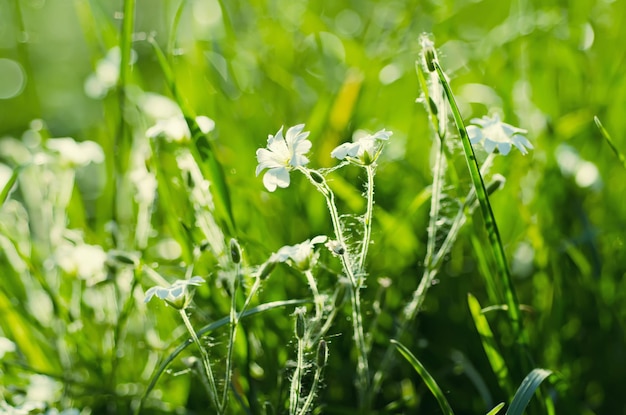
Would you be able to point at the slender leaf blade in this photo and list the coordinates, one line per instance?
(428, 379)
(496, 409)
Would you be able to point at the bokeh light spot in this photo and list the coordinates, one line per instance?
(12, 79)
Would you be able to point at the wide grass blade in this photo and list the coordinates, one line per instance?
(428, 379)
(609, 140)
(526, 390)
(204, 330)
(490, 347)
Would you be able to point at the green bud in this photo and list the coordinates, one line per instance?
(322, 353)
(317, 178)
(266, 269)
(300, 325)
(235, 251)
(496, 183)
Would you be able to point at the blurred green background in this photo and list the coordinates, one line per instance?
(252, 66)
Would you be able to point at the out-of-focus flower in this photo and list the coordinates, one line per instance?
(282, 155)
(301, 256)
(106, 74)
(493, 133)
(178, 295)
(365, 150)
(176, 129)
(74, 153)
(84, 261)
(6, 346)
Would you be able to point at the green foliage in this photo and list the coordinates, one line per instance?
(88, 225)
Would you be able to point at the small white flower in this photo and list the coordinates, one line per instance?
(84, 261)
(281, 155)
(364, 150)
(74, 153)
(178, 295)
(493, 133)
(175, 128)
(300, 256)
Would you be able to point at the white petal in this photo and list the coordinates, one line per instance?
(276, 177)
(475, 133)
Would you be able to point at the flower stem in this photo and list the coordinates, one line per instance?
(205, 361)
(362, 382)
(367, 218)
(319, 300)
(296, 381)
(234, 320)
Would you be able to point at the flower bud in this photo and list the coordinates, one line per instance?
(235, 251)
(317, 178)
(322, 353)
(267, 268)
(300, 325)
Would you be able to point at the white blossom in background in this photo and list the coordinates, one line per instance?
(84, 261)
(6, 346)
(364, 150)
(76, 154)
(283, 154)
(495, 134)
(175, 129)
(106, 74)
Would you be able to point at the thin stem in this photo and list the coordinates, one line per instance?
(205, 361)
(355, 286)
(296, 381)
(234, 320)
(367, 218)
(319, 300)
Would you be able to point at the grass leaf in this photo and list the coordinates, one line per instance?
(494, 356)
(428, 379)
(526, 390)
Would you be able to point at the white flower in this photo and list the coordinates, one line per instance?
(84, 261)
(176, 129)
(178, 295)
(6, 346)
(364, 150)
(75, 153)
(493, 133)
(300, 256)
(281, 155)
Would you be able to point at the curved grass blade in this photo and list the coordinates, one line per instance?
(496, 409)
(204, 330)
(487, 213)
(428, 379)
(490, 347)
(609, 140)
(526, 390)
(8, 186)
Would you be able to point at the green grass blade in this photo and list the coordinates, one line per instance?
(526, 390)
(202, 150)
(496, 409)
(609, 140)
(204, 330)
(487, 213)
(8, 186)
(428, 379)
(490, 347)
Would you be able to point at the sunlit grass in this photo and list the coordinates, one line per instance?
(166, 105)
